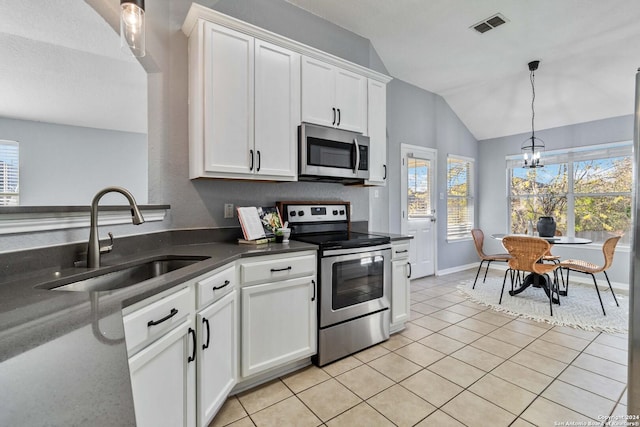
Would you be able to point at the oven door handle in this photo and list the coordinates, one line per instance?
(313, 298)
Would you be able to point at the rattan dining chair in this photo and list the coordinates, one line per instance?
(608, 249)
(526, 253)
(478, 239)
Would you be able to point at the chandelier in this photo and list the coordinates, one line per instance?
(532, 147)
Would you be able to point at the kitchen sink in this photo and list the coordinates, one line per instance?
(117, 278)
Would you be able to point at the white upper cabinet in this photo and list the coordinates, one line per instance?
(277, 110)
(243, 104)
(377, 121)
(249, 89)
(333, 97)
(228, 100)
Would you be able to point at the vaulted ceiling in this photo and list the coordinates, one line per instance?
(589, 52)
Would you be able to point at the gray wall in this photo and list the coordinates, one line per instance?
(199, 203)
(67, 165)
(419, 117)
(493, 212)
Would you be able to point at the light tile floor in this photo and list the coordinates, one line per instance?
(457, 363)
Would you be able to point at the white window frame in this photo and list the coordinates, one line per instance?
(9, 150)
(569, 156)
(466, 234)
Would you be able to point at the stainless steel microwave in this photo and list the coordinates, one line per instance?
(334, 155)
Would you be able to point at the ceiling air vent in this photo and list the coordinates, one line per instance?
(489, 23)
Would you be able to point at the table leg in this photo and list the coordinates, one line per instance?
(537, 281)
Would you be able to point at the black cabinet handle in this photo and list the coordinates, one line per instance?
(334, 116)
(259, 158)
(172, 313)
(225, 284)
(314, 290)
(403, 251)
(193, 354)
(251, 154)
(205, 321)
(385, 171)
(409, 275)
(338, 117)
(273, 270)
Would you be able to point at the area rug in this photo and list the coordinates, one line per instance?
(580, 309)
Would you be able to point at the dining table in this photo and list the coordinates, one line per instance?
(537, 280)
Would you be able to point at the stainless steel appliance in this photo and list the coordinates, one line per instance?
(354, 278)
(334, 155)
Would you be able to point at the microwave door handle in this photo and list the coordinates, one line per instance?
(355, 167)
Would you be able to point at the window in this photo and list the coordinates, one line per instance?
(9, 173)
(418, 188)
(587, 190)
(460, 206)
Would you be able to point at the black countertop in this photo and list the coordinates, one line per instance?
(55, 369)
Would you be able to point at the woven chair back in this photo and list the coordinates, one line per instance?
(608, 249)
(478, 239)
(525, 252)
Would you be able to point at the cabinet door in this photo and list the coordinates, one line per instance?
(228, 100)
(217, 355)
(351, 101)
(278, 323)
(399, 291)
(318, 92)
(277, 110)
(377, 128)
(163, 380)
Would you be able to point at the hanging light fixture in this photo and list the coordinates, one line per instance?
(132, 26)
(532, 147)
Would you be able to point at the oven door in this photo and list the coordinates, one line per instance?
(354, 283)
(336, 153)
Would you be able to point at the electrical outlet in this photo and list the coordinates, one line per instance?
(228, 210)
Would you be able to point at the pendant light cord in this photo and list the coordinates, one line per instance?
(532, 77)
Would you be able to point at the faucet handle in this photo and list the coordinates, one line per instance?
(109, 247)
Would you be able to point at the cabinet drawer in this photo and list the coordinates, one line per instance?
(152, 321)
(211, 288)
(268, 270)
(400, 250)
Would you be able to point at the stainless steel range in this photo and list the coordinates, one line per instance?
(354, 276)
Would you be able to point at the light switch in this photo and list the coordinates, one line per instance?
(441, 196)
(228, 210)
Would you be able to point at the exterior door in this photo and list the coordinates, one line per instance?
(419, 207)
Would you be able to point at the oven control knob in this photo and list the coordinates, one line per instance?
(341, 211)
(292, 213)
(335, 212)
(300, 213)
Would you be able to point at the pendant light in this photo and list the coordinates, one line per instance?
(132, 26)
(532, 147)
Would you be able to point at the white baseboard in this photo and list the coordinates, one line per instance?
(456, 269)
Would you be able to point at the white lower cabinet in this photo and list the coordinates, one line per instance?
(400, 285)
(163, 379)
(184, 343)
(217, 355)
(278, 323)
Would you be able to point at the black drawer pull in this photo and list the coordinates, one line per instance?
(402, 252)
(225, 284)
(193, 354)
(205, 321)
(273, 270)
(410, 271)
(164, 319)
(385, 172)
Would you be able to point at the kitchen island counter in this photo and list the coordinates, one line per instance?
(56, 366)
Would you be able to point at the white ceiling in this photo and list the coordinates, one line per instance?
(62, 63)
(589, 52)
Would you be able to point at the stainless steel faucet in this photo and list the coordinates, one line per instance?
(93, 251)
